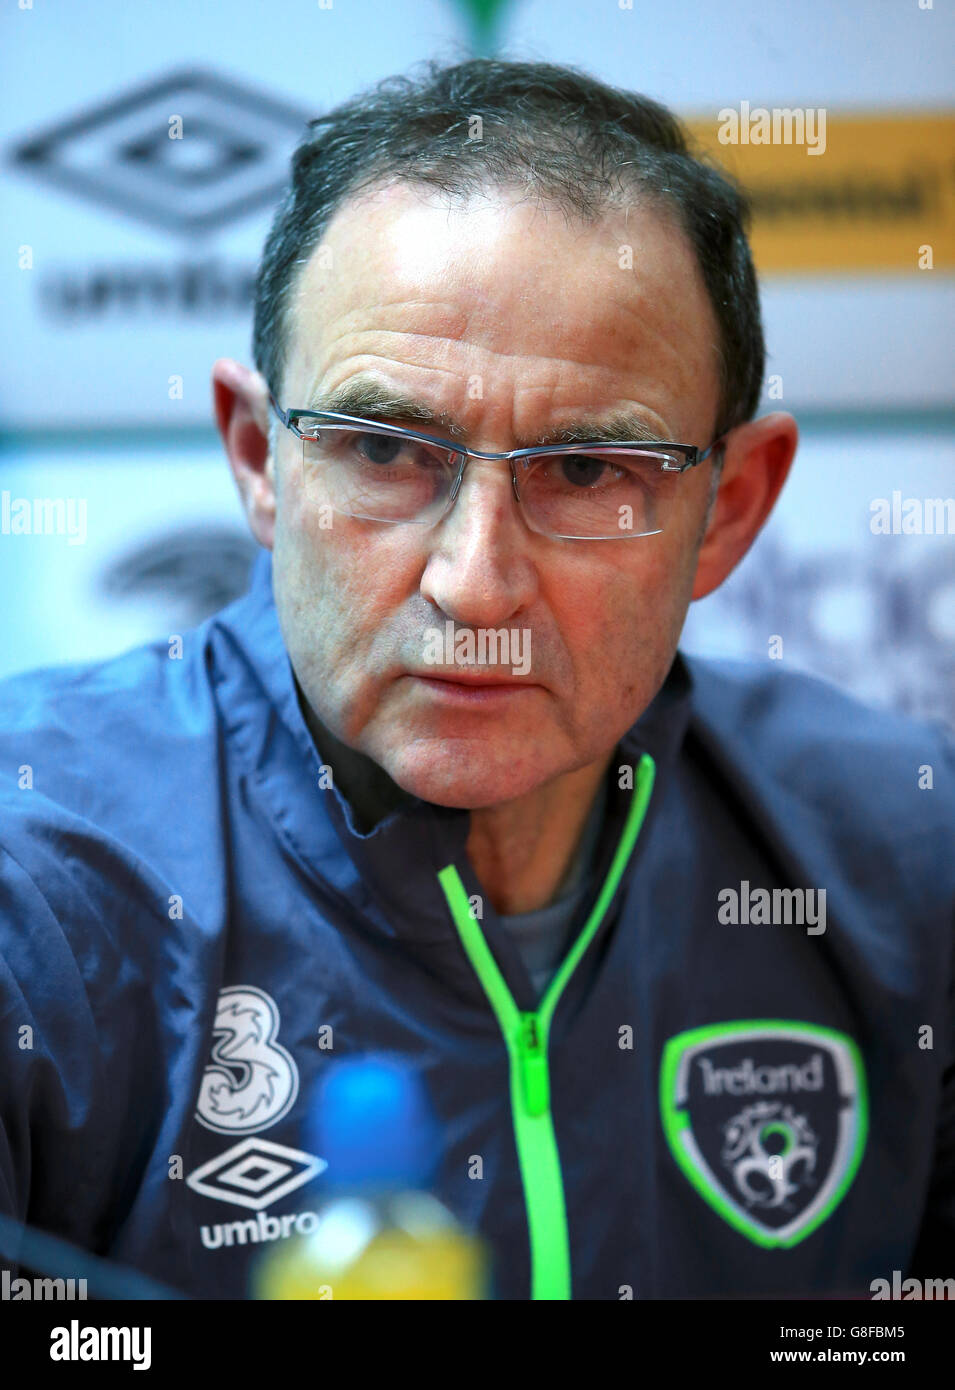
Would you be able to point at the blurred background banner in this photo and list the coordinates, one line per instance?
(887, 185)
(146, 147)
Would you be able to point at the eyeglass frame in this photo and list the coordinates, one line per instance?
(694, 455)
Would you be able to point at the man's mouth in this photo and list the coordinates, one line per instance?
(460, 676)
(472, 686)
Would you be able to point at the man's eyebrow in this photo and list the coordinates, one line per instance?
(372, 401)
(620, 428)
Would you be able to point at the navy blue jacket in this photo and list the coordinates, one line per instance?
(727, 1089)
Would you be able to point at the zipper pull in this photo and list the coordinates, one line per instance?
(533, 1059)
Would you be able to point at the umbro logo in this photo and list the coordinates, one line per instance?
(189, 152)
(255, 1173)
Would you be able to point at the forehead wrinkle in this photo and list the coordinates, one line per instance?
(624, 420)
(439, 322)
(650, 304)
(441, 338)
(463, 332)
(456, 374)
(368, 397)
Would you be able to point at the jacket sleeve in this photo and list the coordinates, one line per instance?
(27, 1061)
(39, 1028)
(12, 1192)
(58, 1150)
(934, 1254)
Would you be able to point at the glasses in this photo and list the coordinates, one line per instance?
(385, 473)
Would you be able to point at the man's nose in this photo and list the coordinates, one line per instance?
(479, 571)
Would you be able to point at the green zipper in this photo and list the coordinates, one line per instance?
(526, 1037)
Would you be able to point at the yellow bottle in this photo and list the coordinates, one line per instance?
(380, 1235)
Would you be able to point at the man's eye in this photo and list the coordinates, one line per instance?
(578, 471)
(383, 451)
(585, 470)
(379, 448)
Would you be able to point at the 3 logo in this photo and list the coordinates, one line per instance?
(250, 1083)
(252, 1080)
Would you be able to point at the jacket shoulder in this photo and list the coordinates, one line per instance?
(873, 775)
(112, 752)
(107, 697)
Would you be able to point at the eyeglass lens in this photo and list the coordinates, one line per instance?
(595, 493)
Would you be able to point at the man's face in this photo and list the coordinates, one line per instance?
(516, 321)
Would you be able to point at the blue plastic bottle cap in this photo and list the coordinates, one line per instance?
(373, 1123)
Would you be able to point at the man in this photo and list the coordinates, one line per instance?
(669, 940)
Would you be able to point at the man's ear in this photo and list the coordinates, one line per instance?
(756, 462)
(241, 400)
